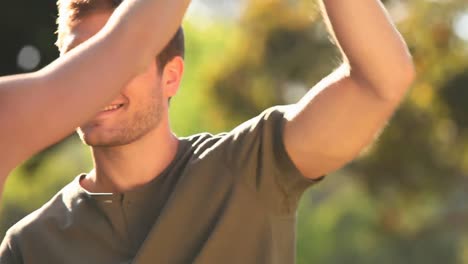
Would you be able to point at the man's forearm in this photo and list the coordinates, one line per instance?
(371, 45)
(148, 21)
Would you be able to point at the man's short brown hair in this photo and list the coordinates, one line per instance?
(71, 11)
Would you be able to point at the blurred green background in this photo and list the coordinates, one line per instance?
(403, 201)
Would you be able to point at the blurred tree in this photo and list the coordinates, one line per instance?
(276, 53)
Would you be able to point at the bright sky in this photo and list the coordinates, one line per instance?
(461, 26)
(215, 9)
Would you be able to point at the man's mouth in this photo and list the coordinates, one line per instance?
(111, 107)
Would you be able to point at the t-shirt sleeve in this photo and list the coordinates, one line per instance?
(8, 254)
(259, 157)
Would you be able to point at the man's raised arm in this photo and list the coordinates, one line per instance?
(346, 110)
(38, 109)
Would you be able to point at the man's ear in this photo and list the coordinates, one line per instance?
(172, 76)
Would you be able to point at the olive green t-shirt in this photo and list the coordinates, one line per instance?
(227, 198)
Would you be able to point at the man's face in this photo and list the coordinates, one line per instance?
(135, 112)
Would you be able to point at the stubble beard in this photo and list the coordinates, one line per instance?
(130, 130)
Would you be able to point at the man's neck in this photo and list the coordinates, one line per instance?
(122, 168)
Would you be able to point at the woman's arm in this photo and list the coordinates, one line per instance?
(38, 109)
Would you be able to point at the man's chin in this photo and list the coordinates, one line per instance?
(99, 143)
(95, 139)
(88, 140)
(91, 138)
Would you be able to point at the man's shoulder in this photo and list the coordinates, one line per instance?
(199, 143)
(54, 211)
(201, 140)
(203, 143)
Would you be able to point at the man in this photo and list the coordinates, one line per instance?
(228, 198)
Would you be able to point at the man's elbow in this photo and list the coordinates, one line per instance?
(398, 83)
